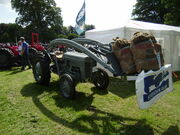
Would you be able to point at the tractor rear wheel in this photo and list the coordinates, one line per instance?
(41, 70)
(32, 55)
(67, 86)
(6, 57)
(100, 79)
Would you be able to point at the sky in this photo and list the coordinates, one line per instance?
(101, 13)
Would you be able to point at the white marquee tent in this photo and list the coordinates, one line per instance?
(167, 36)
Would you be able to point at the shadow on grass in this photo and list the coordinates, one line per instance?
(95, 122)
(80, 103)
(122, 88)
(15, 71)
(99, 92)
(11, 70)
(99, 122)
(5, 68)
(81, 100)
(172, 130)
(34, 89)
(2, 69)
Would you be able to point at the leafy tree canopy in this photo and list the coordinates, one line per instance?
(158, 11)
(37, 12)
(9, 32)
(38, 15)
(89, 27)
(172, 17)
(149, 11)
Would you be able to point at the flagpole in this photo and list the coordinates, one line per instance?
(85, 11)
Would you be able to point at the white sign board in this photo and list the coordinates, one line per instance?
(152, 85)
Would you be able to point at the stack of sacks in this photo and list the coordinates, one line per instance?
(144, 53)
(122, 51)
(158, 50)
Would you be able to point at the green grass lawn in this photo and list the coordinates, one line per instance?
(27, 108)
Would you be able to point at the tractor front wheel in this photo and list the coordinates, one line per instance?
(100, 79)
(41, 70)
(67, 86)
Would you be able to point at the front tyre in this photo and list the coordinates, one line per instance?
(100, 79)
(67, 86)
(41, 70)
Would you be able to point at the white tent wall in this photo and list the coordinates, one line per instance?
(175, 50)
(105, 36)
(167, 36)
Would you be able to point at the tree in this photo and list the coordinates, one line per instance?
(65, 31)
(14, 31)
(149, 11)
(71, 29)
(72, 35)
(38, 15)
(172, 17)
(89, 27)
(5, 37)
(158, 11)
(10, 32)
(3, 28)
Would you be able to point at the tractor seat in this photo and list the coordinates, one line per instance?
(58, 54)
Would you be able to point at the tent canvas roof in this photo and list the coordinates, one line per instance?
(143, 25)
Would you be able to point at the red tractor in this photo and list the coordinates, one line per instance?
(9, 55)
(35, 46)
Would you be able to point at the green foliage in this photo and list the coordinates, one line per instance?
(149, 11)
(173, 15)
(89, 27)
(65, 30)
(72, 35)
(10, 32)
(38, 15)
(157, 11)
(14, 31)
(62, 36)
(71, 29)
(5, 37)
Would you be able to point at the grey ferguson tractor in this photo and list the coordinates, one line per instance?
(76, 63)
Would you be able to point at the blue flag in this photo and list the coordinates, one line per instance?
(80, 20)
